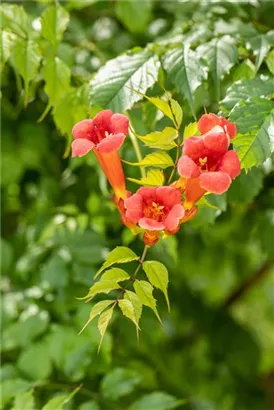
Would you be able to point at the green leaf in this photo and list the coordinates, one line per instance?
(26, 58)
(220, 55)
(253, 142)
(113, 86)
(121, 254)
(54, 22)
(191, 130)
(57, 79)
(246, 187)
(244, 71)
(270, 61)
(158, 276)
(243, 90)
(185, 72)
(105, 286)
(7, 41)
(128, 310)
(97, 310)
(35, 362)
(58, 402)
(14, 17)
(103, 322)
(137, 305)
(12, 387)
(158, 159)
(260, 46)
(134, 17)
(119, 382)
(170, 108)
(156, 401)
(24, 401)
(144, 291)
(115, 274)
(160, 139)
(154, 177)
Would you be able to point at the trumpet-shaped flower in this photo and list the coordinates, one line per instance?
(104, 135)
(207, 165)
(208, 121)
(155, 209)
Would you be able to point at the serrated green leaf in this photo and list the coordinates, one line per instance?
(121, 254)
(26, 57)
(128, 310)
(253, 142)
(160, 139)
(244, 71)
(154, 177)
(105, 286)
(24, 401)
(137, 305)
(246, 187)
(15, 18)
(171, 108)
(158, 159)
(116, 274)
(7, 41)
(191, 130)
(243, 90)
(144, 291)
(185, 72)
(96, 310)
(158, 276)
(113, 86)
(103, 322)
(54, 22)
(270, 61)
(220, 55)
(132, 16)
(57, 79)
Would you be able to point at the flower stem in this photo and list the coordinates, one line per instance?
(136, 149)
(176, 160)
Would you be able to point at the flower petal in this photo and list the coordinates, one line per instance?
(147, 193)
(207, 122)
(187, 167)
(215, 182)
(168, 196)
(82, 129)
(101, 121)
(229, 127)
(119, 124)
(151, 224)
(111, 143)
(134, 208)
(81, 146)
(231, 164)
(216, 141)
(194, 148)
(173, 218)
(194, 192)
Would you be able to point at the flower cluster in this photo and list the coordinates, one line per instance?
(207, 165)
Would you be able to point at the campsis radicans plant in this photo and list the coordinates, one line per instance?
(205, 163)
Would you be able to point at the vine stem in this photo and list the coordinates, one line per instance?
(176, 160)
(136, 149)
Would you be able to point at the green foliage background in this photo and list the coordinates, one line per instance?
(215, 349)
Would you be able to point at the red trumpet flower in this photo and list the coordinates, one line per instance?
(104, 135)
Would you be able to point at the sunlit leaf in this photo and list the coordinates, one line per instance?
(24, 401)
(270, 61)
(144, 291)
(115, 274)
(160, 139)
(15, 18)
(137, 306)
(114, 84)
(185, 71)
(132, 16)
(191, 130)
(170, 108)
(103, 322)
(57, 79)
(54, 22)
(105, 286)
(128, 310)
(158, 276)
(158, 159)
(121, 254)
(96, 310)
(154, 177)
(58, 402)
